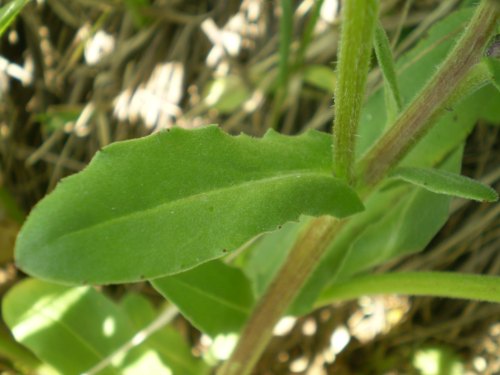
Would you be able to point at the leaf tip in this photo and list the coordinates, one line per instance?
(492, 196)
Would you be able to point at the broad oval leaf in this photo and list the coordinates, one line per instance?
(215, 297)
(443, 182)
(165, 203)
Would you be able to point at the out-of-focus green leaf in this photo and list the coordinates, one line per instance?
(166, 343)
(163, 204)
(134, 7)
(10, 206)
(226, 94)
(215, 297)
(57, 117)
(443, 182)
(285, 41)
(71, 329)
(9, 12)
(320, 76)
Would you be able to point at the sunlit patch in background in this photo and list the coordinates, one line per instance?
(147, 363)
(309, 327)
(23, 74)
(284, 326)
(45, 312)
(219, 348)
(339, 339)
(108, 326)
(156, 102)
(225, 41)
(299, 365)
(488, 349)
(437, 361)
(377, 315)
(98, 46)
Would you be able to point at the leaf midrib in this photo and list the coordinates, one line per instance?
(184, 200)
(221, 301)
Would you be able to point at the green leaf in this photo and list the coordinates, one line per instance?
(226, 94)
(413, 70)
(406, 228)
(215, 297)
(454, 127)
(71, 329)
(494, 67)
(443, 182)
(267, 253)
(393, 101)
(163, 204)
(166, 342)
(386, 229)
(439, 284)
(9, 12)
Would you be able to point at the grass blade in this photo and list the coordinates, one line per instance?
(385, 60)
(9, 12)
(438, 284)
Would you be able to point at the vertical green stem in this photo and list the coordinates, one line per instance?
(414, 122)
(286, 31)
(286, 28)
(359, 18)
(302, 260)
(308, 33)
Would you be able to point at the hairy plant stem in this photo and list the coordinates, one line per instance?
(356, 40)
(415, 120)
(317, 237)
(303, 258)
